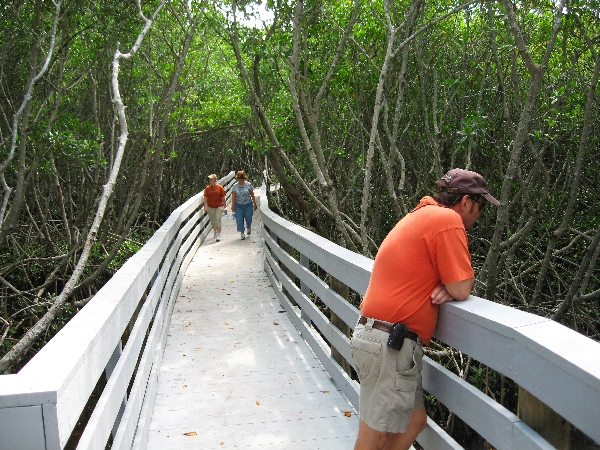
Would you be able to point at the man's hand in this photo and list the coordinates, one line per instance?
(440, 295)
(459, 290)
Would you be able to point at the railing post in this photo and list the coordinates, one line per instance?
(305, 262)
(541, 418)
(274, 237)
(343, 290)
(290, 250)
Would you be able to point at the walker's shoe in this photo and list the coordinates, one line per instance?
(243, 236)
(218, 236)
(214, 234)
(248, 231)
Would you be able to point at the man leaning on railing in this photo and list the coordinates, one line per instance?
(423, 262)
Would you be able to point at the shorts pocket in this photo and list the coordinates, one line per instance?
(405, 386)
(366, 356)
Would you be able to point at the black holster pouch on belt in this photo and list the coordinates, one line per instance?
(396, 338)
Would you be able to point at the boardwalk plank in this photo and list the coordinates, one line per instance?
(235, 370)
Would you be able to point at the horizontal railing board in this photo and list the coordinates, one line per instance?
(192, 243)
(73, 397)
(68, 374)
(100, 423)
(518, 345)
(18, 391)
(348, 386)
(331, 333)
(91, 337)
(350, 268)
(341, 307)
(433, 437)
(481, 412)
(129, 423)
(141, 435)
(137, 410)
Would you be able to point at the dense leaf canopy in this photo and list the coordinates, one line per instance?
(354, 108)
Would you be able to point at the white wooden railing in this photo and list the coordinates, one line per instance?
(557, 365)
(117, 341)
(118, 338)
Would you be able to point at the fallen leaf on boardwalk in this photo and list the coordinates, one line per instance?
(237, 343)
(185, 385)
(324, 392)
(275, 323)
(347, 413)
(225, 323)
(257, 402)
(232, 281)
(182, 296)
(230, 328)
(191, 433)
(282, 311)
(222, 443)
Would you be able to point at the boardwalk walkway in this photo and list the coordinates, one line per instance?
(235, 371)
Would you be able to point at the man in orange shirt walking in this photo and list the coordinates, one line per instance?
(423, 262)
(215, 204)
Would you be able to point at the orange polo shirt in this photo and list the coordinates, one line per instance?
(427, 247)
(214, 195)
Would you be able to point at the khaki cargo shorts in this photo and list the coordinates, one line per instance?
(390, 380)
(214, 215)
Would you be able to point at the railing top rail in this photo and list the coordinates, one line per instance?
(351, 268)
(556, 364)
(72, 349)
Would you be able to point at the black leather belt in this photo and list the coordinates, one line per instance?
(387, 328)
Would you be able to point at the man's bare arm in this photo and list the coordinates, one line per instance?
(458, 290)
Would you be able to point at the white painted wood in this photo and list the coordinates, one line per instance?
(548, 359)
(224, 322)
(331, 333)
(479, 410)
(551, 361)
(433, 437)
(350, 268)
(131, 417)
(323, 352)
(126, 428)
(101, 421)
(61, 377)
(161, 329)
(26, 425)
(343, 309)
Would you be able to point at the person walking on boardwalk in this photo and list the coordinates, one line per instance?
(215, 204)
(423, 262)
(243, 203)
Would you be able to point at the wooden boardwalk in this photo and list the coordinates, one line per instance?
(235, 371)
